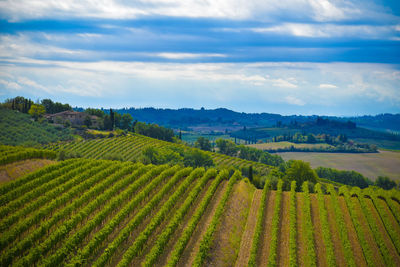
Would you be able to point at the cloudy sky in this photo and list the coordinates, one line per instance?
(328, 57)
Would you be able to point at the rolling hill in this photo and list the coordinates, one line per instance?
(95, 212)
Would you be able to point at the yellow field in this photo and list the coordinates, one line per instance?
(287, 145)
(372, 165)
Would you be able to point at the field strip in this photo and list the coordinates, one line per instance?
(192, 248)
(319, 243)
(385, 235)
(266, 236)
(301, 243)
(283, 244)
(247, 238)
(355, 245)
(337, 244)
(378, 260)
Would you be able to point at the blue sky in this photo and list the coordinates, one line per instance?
(328, 57)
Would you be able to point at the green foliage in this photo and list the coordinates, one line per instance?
(308, 228)
(385, 183)
(191, 226)
(137, 246)
(300, 172)
(226, 147)
(36, 111)
(9, 154)
(373, 227)
(351, 178)
(56, 107)
(357, 226)
(326, 233)
(197, 158)
(342, 227)
(208, 238)
(18, 129)
(292, 226)
(259, 226)
(154, 131)
(273, 249)
(169, 230)
(202, 143)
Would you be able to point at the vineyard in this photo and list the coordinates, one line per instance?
(95, 212)
(129, 148)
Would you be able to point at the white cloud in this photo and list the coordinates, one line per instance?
(282, 83)
(185, 55)
(10, 85)
(294, 101)
(321, 10)
(327, 86)
(329, 30)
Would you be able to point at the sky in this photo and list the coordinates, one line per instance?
(324, 57)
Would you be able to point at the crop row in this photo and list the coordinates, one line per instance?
(292, 226)
(308, 228)
(326, 233)
(208, 238)
(259, 226)
(273, 249)
(194, 220)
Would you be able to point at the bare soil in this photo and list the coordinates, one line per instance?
(247, 238)
(17, 169)
(228, 235)
(266, 236)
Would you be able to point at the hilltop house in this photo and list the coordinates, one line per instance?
(75, 118)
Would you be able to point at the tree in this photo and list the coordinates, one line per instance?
(36, 111)
(203, 143)
(112, 120)
(88, 121)
(300, 172)
(226, 147)
(385, 182)
(197, 158)
(126, 121)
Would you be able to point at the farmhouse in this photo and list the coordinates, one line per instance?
(75, 118)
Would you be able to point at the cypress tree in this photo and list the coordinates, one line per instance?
(112, 119)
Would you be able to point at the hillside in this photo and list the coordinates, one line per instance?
(106, 213)
(129, 148)
(17, 128)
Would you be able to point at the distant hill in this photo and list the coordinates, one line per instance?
(188, 117)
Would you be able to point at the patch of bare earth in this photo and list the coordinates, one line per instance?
(337, 244)
(266, 235)
(283, 241)
(17, 169)
(385, 235)
(355, 245)
(301, 247)
(228, 235)
(192, 248)
(247, 238)
(378, 260)
(319, 243)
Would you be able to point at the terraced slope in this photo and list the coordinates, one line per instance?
(129, 148)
